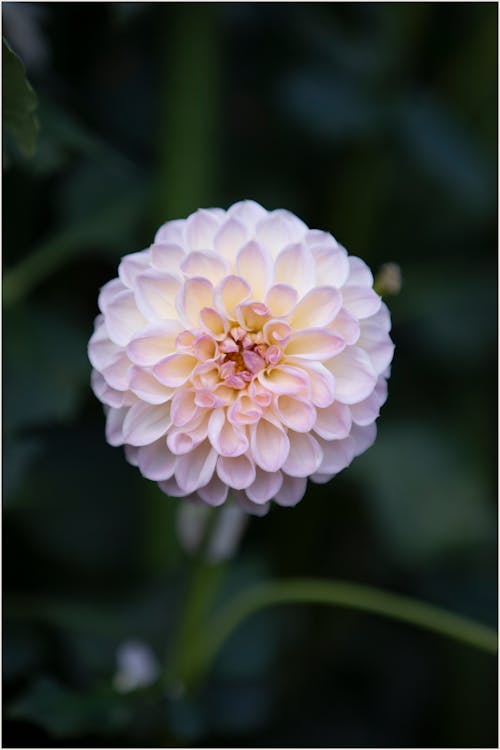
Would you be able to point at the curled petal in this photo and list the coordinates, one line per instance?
(196, 294)
(281, 299)
(284, 379)
(230, 293)
(296, 414)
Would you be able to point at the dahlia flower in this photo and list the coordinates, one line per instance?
(242, 353)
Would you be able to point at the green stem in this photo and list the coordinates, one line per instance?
(341, 594)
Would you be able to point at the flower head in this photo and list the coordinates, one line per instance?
(242, 352)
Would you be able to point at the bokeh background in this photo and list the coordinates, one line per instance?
(377, 122)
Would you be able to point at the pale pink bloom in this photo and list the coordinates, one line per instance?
(242, 353)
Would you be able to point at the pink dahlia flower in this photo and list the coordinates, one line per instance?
(241, 353)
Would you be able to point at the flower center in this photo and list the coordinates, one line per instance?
(243, 354)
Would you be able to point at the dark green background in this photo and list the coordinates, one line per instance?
(377, 122)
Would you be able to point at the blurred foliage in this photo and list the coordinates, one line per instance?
(19, 102)
(377, 122)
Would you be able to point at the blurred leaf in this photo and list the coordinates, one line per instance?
(66, 713)
(19, 102)
(427, 502)
(22, 650)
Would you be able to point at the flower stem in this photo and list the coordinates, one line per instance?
(336, 593)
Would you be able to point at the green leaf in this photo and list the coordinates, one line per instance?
(66, 713)
(19, 102)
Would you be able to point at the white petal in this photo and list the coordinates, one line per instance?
(255, 264)
(278, 229)
(367, 411)
(360, 301)
(269, 444)
(346, 326)
(171, 233)
(321, 381)
(291, 491)
(196, 294)
(332, 266)
(230, 237)
(281, 299)
(105, 393)
(355, 377)
(167, 257)
(206, 264)
(145, 423)
(295, 266)
(314, 343)
(248, 212)
(116, 374)
(376, 341)
(114, 426)
(183, 407)
(304, 457)
(175, 369)
(101, 350)
(201, 228)
(194, 470)
(155, 294)
(238, 472)
(265, 486)
(284, 379)
(296, 414)
(153, 343)
(108, 293)
(334, 422)
(147, 387)
(317, 308)
(132, 265)
(231, 292)
(359, 273)
(156, 462)
(123, 319)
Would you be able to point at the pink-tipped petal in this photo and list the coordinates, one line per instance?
(304, 457)
(295, 266)
(291, 491)
(296, 414)
(195, 469)
(317, 344)
(237, 472)
(334, 422)
(123, 319)
(265, 486)
(156, 462)
(174, 370)
(230, 237)
(269, 444)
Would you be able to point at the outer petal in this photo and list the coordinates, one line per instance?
(167, 258)
(354, 375)
(195, 469)
(337, 455)
(147, 387)
(146, 423)
(304, 457)
(237, 472)
(224, 436)
(114, 426)
(314, 343)
(132, 265)
(331, 264)
(291, 491)
(156, 462)
(295, 266)
(265, 486)
(123, 319)
(201, 228)
(230, 237)
(215, 492)
(334, 422)
(207, 265)
(155, 294)
(153, 343)
(360, 301)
